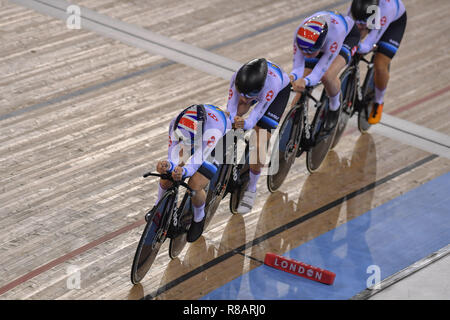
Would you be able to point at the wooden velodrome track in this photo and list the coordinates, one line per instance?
(83, 116)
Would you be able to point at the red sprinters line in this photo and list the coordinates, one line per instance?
(411, 105)
(114, 234)
(68, 256)
(419, 101)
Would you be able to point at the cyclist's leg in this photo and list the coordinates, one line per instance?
(263, 129)
(332, 83)
(266, 125)
(350, 45)
(387, 48)
(256, 158)
(331, 79)
(198, 183)
(381, 75)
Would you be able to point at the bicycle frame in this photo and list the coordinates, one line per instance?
(174, 210)
(355, 67)
(238, 165)
(307, 138)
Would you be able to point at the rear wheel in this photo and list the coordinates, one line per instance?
(216, 192)
(284, 156)
(348, 95)
(151, 239)
(368, 92)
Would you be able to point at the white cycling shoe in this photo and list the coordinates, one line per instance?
(246, 203)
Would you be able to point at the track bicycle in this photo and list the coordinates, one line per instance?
(356, 98)
(299, 134)
(164, 220)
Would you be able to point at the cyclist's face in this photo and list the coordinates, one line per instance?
(362, 26)
(311, 55)
(245, 99)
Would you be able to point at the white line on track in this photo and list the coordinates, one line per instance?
(219, 66)
(402, 274)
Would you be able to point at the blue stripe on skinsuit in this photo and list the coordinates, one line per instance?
(391, 236)
(277, 69)
(269, 122)
(311, 60)
(210, 167)
(388, 46)
(347, 52)
(339, 16)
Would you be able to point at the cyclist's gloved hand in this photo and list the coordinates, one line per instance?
(299, 85)
(239, 122)
(163, 166)
(177, 173)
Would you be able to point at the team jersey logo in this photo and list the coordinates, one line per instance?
(334, 47)
(383, 21)
(269, 95)
(211, 141)
(230, 94)
(212, 115)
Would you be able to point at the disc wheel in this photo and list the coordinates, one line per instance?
(284, 156)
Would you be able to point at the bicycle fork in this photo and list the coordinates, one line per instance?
(307, 139)
(166, 221)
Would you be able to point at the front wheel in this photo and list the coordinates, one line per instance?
(239, 190)
(322, 140)
(179, 239)
(288, 144)
(151, 239)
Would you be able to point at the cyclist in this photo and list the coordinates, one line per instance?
(193, 135)
(266, 86)
(386, 31)
(323, 45)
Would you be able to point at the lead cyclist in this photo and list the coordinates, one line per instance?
(323, 45)
(193, 135)
(384, 30)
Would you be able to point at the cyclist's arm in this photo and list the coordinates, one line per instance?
(173, 156)
(233, 99)
(324, 63)
(375, 35)
(196, 160)
(255, 115)
(298, 64)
